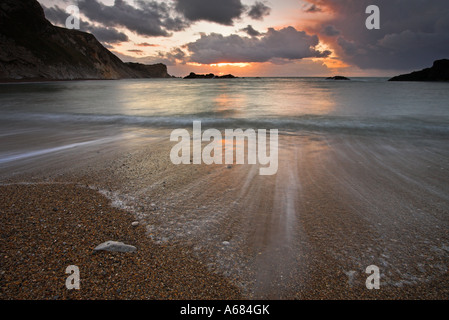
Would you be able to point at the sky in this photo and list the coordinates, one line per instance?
(296, 38)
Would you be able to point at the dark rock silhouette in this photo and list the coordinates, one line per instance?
(227, 76)
(31, 48)
(438, 72)
(158, 70)
(338, 78)
(193, 75)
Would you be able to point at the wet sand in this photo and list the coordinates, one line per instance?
(338, 204)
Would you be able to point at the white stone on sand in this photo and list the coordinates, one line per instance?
(115, 246)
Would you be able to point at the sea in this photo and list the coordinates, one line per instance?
(315, 104)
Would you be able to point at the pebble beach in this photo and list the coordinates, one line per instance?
(218, 232)
(47, 227)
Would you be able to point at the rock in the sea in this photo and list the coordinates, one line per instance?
(338, 78)
(193, 75)
(114, 246)
(226, 76)
(31, 48)
(438, 72)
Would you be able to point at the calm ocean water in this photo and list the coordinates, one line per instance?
(364, 104)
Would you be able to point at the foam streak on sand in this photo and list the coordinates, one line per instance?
(278, 260)
(30, 154)
(338, 204)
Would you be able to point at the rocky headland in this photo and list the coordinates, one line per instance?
(438, 72)
(31, 48)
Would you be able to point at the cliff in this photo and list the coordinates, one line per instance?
(438, 72)
(31, 48)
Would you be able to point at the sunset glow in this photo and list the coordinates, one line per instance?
(277, 38)
(226, 64)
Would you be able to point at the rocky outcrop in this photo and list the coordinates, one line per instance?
(338, 78)
(31, 48)
(193, 75)
(155, 70)
(226, 76)
(438, 72)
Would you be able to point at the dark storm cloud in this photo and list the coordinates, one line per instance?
(171, 58)
(55, 15)
(174, 56)
(413, 33)
(258, 11)
(349, 47)
(251, 31)
(148, 18)
(286, 44)
(312, 9)
(104, 34)
(219, 11)
(330, 31)
(109, 35)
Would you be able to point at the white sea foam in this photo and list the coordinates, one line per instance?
(20, 156)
